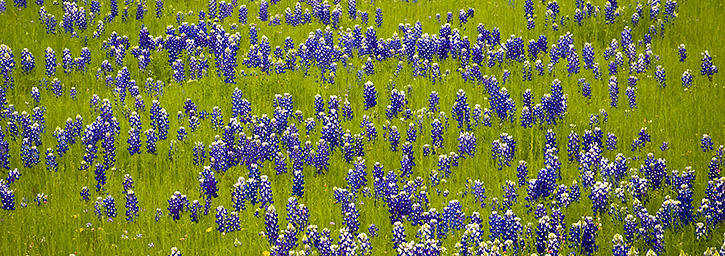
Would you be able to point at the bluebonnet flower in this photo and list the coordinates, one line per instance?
(27, 60)
(347, 112)
(13, 175)
(503, 150)
(683, 52)
(176, 206)
(706, 143)
(109, 158)
(613, 91)
(100, 173)
(555, 104)
(212, 9)
(583, 236)
(701, 231)
(475, 115)
(110, 205)
(507, 227)
(221, 217)
(271, 226)
(208, 185)
(30, 154)
(687, 78)
(433, 102)
(479, 192)
(242, 14)
(323, 156)
(527, 117)
(642, 140)
(67, 61)
(373, 230)
(73, 93)
(684, 196)
(655, 171)
(158, 214)
(462, 17)
(660, 76)
(352, 9)
(714, 169)
(467, 144)
(573, 61)
(134, 142)
(35, 94)
(131, 205)
(444, 167)
(151, 140)
(127, 182)
(7, 197)
(411, 133)
(398, 234)
(574, 191)
(611, 141)
(613, 65)
(665, 146)
(39, 118)
(593, 120)
(194, 211)
(218, 156)
(573, 146)
(86, 194)
(5, 146)
(263, 14)
(40, 199)
(298, 183)
(394, 138)
(630, 227)
(232, 222)
(240, 193)
(528, 9)
(461, 110)
(544, 185)
(378, 17)
(265, 192)
(599, 197)
(370, 95)
(50, 161)
(708, 69)
(510, 194)
(364, 17)
(178, 71)
(369, 67)
(670, 10)
(97, 208)
(50, 62)
(159, 8)
(371, 132)
(7, 64)
(522, 172)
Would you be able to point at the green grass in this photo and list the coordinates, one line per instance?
(673, 114)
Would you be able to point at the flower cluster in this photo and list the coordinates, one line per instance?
(708, 69)
(370, 95)
(467, 144)
(503, 150)
(706, 143)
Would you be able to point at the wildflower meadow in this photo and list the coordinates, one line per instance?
(362, 127)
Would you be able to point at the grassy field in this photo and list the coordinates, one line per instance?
(66, 224)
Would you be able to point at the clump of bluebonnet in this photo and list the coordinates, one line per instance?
(687, 78)
(708, 69)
